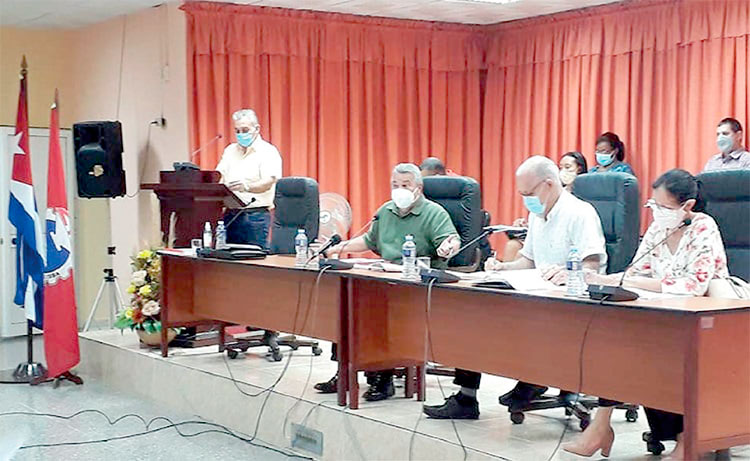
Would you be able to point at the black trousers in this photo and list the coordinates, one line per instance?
(373, 377)
(466, 378)
(664, 425)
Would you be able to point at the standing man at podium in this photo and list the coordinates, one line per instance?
(250, 168)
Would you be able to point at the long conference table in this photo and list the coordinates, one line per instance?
(685, 355)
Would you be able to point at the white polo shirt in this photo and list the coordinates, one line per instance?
(571, 222)
(261, 161)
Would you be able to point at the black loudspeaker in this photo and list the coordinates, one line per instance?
(98, 147)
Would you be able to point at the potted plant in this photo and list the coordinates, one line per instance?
(142, 315)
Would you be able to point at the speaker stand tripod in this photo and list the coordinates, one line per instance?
(116, 303)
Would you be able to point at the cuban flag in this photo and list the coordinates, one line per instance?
(23, 215)
(60, 318)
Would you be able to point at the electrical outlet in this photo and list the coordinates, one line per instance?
(307, 439)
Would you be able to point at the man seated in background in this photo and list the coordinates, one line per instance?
(408, 212)
(558, 221)
(732, 155)
(432, 166)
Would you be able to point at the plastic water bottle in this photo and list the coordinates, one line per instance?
(409, 270)
(300, 248)
(576, 284)
(221, 236)
(207, 235)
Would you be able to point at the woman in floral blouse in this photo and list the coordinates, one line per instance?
(684, 264)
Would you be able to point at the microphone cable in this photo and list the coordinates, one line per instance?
(215, 428)
(580, 375)
(430, 350)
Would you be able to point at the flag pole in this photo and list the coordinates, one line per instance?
(60, 320)
(28, 372)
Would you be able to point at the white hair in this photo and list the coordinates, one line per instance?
(246, 114)
(540, 166)
(410, 168)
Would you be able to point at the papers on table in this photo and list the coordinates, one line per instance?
(378, 265)
(645, 294)
(521, 280)
(362, 260)
(177, 251)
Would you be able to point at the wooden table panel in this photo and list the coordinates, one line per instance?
(723, 388)
(281, 299)
(688, 355)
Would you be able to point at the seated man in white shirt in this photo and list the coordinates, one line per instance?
(250, 167)
(558, 221)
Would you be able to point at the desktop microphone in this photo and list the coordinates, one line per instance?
(189, 165)
(618, 293)
(210, 141)
(442, 276)
(337, 264)
(498, 228)
(334, 240)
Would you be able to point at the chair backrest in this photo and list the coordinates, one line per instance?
(297, 206)
(616, 199)
(727, 195)
(462, 199)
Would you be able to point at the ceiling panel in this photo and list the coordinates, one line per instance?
(77, 13)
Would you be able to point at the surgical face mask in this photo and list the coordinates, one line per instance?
(403, 198)
(725, 143)
(533, 204)
(567, 176)
(605, 158)
(667, 218)
(245, 139)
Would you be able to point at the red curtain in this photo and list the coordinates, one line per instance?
(661, 74)
(344, 98)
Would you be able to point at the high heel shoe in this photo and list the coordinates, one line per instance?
(588, 450)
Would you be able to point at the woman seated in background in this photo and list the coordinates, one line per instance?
(685, 263)
(571, 165)
(610, 153)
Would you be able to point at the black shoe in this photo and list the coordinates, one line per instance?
(522, 392)
(380, 392)
(506, 398)
(523, 395)
(457, 406)
(328, 387)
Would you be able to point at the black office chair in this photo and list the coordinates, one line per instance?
(727, 196)
(296, 206)
(615, 198)
(462, 199)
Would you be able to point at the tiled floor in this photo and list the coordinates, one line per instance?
(24, 430)
(198, 379)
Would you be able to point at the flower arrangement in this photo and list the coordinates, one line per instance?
(144, 289)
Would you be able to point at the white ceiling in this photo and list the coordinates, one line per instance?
(77, 13)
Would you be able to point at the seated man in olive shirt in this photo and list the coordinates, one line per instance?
(408, 212)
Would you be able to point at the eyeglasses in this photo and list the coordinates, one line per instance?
(531, 192)
(651, 203)
(243, 130)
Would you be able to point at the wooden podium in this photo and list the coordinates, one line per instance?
(194, 197)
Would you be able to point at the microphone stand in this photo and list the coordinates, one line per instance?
(618, 293)
(442, 276)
